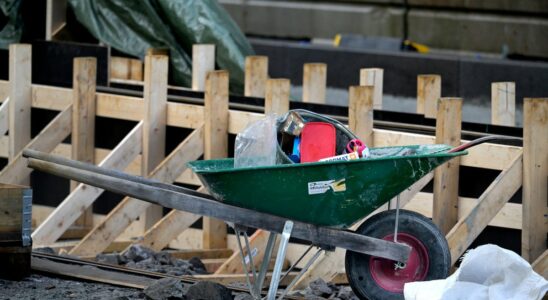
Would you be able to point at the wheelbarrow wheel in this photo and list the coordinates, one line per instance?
(377, 278)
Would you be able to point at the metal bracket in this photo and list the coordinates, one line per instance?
(26, 226)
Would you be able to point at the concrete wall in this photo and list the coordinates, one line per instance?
(465, 77)
(487, 28)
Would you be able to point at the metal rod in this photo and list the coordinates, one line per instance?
(250, 255)
(237, 231)
(211, 208)
(266, 261)
(297, 262)
(301, 273)
(273, 289)
(397, 218)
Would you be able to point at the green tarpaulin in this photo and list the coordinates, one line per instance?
(11, 24)
(133, 27)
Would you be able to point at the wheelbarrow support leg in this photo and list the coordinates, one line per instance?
(258, 285)
(286, 234)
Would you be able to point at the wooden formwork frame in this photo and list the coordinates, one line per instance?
(525, 167)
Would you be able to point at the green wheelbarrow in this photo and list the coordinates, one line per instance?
(338, 195)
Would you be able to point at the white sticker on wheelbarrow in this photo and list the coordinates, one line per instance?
(320, 187)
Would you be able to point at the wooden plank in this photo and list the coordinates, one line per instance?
(55, 132)
(93, 274)
(84, 75)
(503, 103)
(257, 241)
(229, 279)
(20, 56)
(154, 127)
(136, 70)
(4, 124)
(508, 217)
(428, 93)
(360, 112)
(540, 265)
(215, 144)
(535, 174)
(373, 77)
(326, 267)
(314, 82)
(84, 195)
(203, 61)
(446, 176)
(52, 98)
(129, 209)
(489, 204)
(168, 228)
(256, 75)
(201, 253)
(276, 99)
(4, 89)
(11, 208)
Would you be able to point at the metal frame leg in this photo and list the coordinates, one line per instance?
(258, 284)
(248, 281)
(288, 227)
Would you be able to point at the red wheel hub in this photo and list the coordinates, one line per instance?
(392, 279)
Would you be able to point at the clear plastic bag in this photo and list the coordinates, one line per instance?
(257, 144)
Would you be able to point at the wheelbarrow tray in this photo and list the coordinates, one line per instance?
(333, 194)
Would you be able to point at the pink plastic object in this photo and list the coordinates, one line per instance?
(355, 145)
(318, 140)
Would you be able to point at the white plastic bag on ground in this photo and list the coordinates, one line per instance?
(487, 272)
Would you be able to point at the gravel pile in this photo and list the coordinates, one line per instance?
(320, 290)
(139, 257)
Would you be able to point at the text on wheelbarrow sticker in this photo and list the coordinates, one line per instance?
(320, 187)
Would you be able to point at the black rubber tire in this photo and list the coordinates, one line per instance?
(382, 225)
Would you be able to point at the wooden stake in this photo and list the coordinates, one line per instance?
(314, 82)
(535, 176)
(446, 176)
(20, 98)
(215, 145)
(203, 61)
(256, 74)
(428, 93)
(503, 103)
(154, 129)
(373, 77)
(360, 112)
(276, 98)
(84, 75)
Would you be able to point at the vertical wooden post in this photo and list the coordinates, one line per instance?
(314, 82)
(374, 77)
(276, 99)
(154, 126)
(203, 61)
(215, 145)
(84, 75)
(256, 74)
(446, 177)
(428, 94)
(20, 74)
(360, 112)
(503, 103)
(535, 176)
